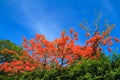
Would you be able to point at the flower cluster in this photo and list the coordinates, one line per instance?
(42, 54)
(17, 66)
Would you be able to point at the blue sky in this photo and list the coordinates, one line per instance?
(49, 17)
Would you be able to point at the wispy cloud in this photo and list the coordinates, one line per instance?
(34, 16)
(109, 9)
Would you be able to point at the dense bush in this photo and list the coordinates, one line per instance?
(98, 69)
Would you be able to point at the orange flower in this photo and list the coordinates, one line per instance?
(32, 41)
(109, 49)
(110, 43)
(9, 69)
(27, 68)
(62, 33)
(21, 67)
(71, 30)
(87, 34)
(38, 36)
(116, 39)
(76, 34)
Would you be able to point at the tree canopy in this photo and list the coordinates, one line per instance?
(5, 47)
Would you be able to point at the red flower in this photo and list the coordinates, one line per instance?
(71, 31)
(116, 39)
(100, 49)
(109, 49)
(87, 34)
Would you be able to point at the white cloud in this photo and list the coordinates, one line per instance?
(109, 9)
(36, 17)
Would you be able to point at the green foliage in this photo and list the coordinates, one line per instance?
(6, 44)
(99, 69)
(9, 45)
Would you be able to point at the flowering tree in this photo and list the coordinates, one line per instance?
(42, 54)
